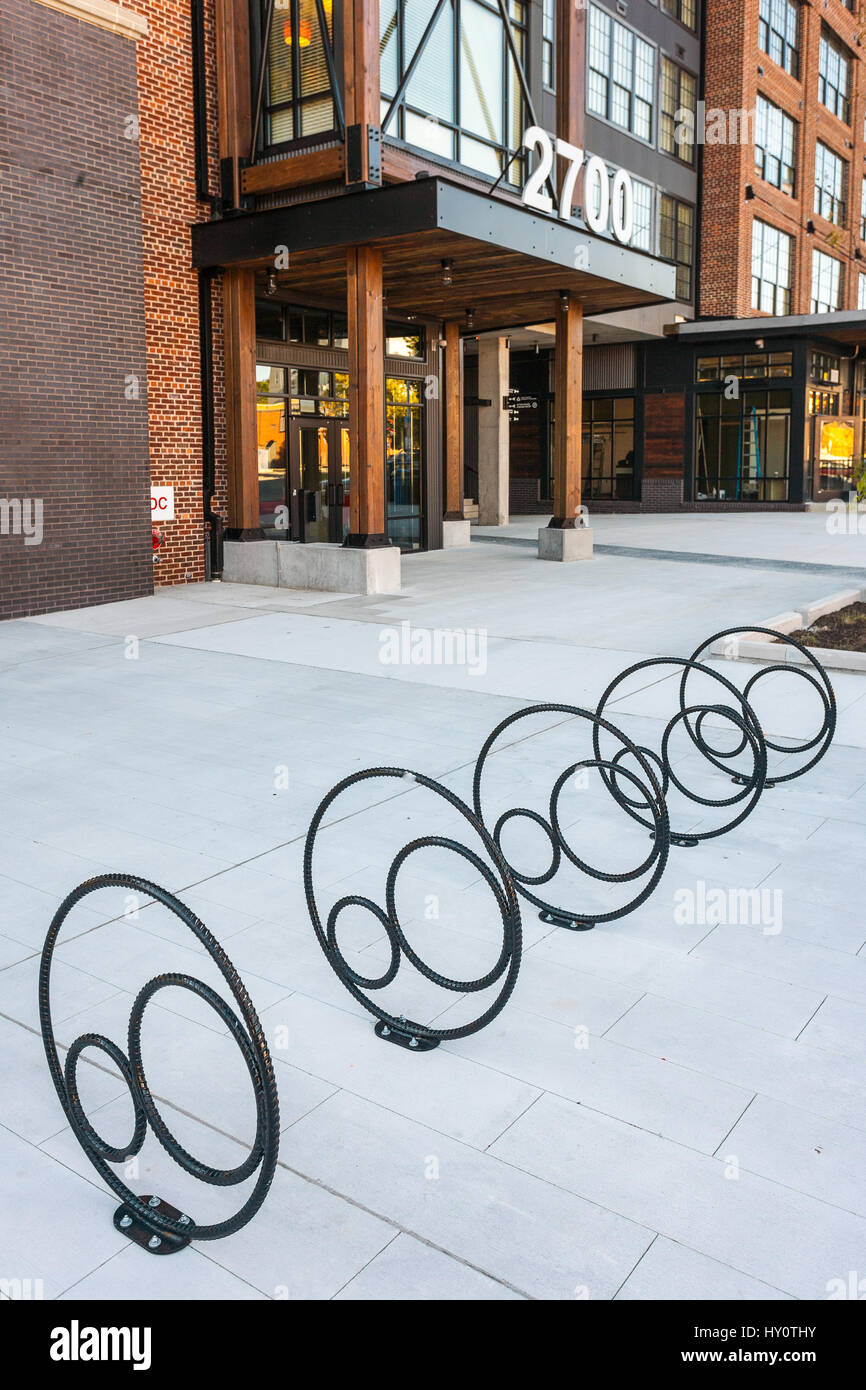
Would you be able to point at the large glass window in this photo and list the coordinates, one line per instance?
(403, 459)
(826, 283)
(463, 101)
(743, 446)
(621, 76)
(775, 146)
(297, 97)
(861, 292)
(678, 95)
(608, 448)
(676, 240)
(772, 269)
(863, 210)
(834, 77)
(778, 33)
(683, 10)
(831, 178)
(746, 365)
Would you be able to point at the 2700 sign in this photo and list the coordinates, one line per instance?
(608, 200)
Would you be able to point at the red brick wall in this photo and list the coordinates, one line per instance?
(73, 411)
(169, 207)
(732, 82)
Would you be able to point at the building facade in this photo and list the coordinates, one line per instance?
(313, 284)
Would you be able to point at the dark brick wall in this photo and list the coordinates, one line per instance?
(73, 405)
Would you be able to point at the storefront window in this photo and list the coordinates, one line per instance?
(403, 462)
(463, 101)
(298, 100)
(608, 448)
(743, 446)
(748, 364)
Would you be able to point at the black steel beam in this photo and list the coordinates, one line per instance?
(427, 205)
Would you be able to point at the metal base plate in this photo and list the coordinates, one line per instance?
(148, 1237)
(684, 841)
(407, 1039)
(553, 919)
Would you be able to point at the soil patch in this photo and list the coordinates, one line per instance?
(845, 630)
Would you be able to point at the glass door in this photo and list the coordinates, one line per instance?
(320, 481)
(403, 463)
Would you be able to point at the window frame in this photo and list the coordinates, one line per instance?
(512, 159)
(675, 152)
(830, 204)
(608, 76)
(765, 23)
(815, 302)
(784, 122)
(682, 266)
(830, 43)
(781, 293)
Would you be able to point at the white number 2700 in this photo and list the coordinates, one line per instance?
(607, 201)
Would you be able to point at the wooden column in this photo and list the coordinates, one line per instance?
(239, 313)
(453, 490)
(366, 398)
(362, 89)
(570, 70)
(234, 90)
(568, 414)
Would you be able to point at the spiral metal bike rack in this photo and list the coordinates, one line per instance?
(645, 792)
(150, 1221)
(418, 1037)
(809, 668)
(736, 713)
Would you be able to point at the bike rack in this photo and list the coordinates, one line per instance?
(397, 1029)
(148, 1220)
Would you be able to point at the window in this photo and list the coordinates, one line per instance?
(745, 365)
(548, 44)
(823, 403)
(831, 178)
(743, 446)
(775, 146)
(401, 341)
(463, 101)
(834, 77)
(826, 283)
(863, 211)
(772, 262)
(825, 367)
(676, 224)
(608, 448)
(621, 79)
(297, 98)
(683, 10)
(642, 238)
(861, 292)
(777, 33)
(678, 95)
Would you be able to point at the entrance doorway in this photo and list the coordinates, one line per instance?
(319, 479)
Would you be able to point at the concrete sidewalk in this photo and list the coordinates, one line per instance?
(667, 1108)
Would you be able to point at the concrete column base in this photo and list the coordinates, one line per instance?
(555, 543)
(337, 568)
(455, 533)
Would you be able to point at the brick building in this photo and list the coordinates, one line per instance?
(344, 275)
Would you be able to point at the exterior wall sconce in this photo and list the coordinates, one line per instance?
(470, 318)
